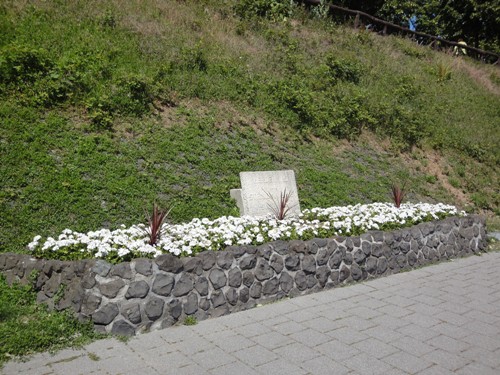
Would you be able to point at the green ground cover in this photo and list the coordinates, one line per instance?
(27, 327)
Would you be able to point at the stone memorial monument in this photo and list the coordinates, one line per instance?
(261, 191)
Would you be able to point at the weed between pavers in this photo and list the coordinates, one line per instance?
(190, 320)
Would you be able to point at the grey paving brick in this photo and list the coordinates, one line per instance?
(387, 321)
(347, 335)
(394, 311)
(296, 353)
(482, 341)
(80, 365)
(118, 364)
(310, 337)
(171, 335)
(448, 344)
(324, 325)
(484, 328)
(337, 350)
(428, 300)
(409, 290)
(234, 320)
(335, 295)
(447, 360)
(375, 348)
(272, 340)
(251, 330)
(362, 288)
(307, 301)
(232, 343)
(289, 327)
(151, 371)
(234, 368)
(380, 283)
(192, 369)
(357, 323)
(435, 370)
(190, 347)
(108, 347)
(255, 356)
(335, 315)
(207, 327)
(211, 358)
(365, 364)
(451, 330)
(479, 315)
(418, 333)
(280, 367)
(380, 294)
(301, 316)
(422, 308)
(456, 308)
(31, 368)
(373, 303)
(399, 301)
(366, 312)
(407, 362)
(477, 368)
(426, 321)
(277, 309)
(274, 320)
(453, 318)
(412, 346)
(486, 357)
(383, 334)
(324, 366)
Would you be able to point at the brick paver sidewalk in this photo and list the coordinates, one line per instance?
(442, 319)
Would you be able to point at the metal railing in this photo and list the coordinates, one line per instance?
(384, 28)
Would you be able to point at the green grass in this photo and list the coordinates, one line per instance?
(111, 106)
(27, 327)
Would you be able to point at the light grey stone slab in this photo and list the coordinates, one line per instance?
(261, 191)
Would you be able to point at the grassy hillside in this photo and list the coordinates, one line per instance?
(108, 106)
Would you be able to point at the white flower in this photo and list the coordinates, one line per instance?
(208, 234)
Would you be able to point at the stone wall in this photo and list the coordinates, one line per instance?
(144, 294)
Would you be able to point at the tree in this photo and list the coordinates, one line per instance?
(476, 21)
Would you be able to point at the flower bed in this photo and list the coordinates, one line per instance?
(204, 234)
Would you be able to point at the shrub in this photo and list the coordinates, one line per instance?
(343, 70)
(194, 58)
(23, 64)
(275, 10)
(101, 112)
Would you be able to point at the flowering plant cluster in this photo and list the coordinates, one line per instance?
(204, 234)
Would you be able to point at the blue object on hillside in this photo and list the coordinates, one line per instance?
(412, 23)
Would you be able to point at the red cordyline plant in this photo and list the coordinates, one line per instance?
(398, 194)
(155, 222)
(281, 207)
